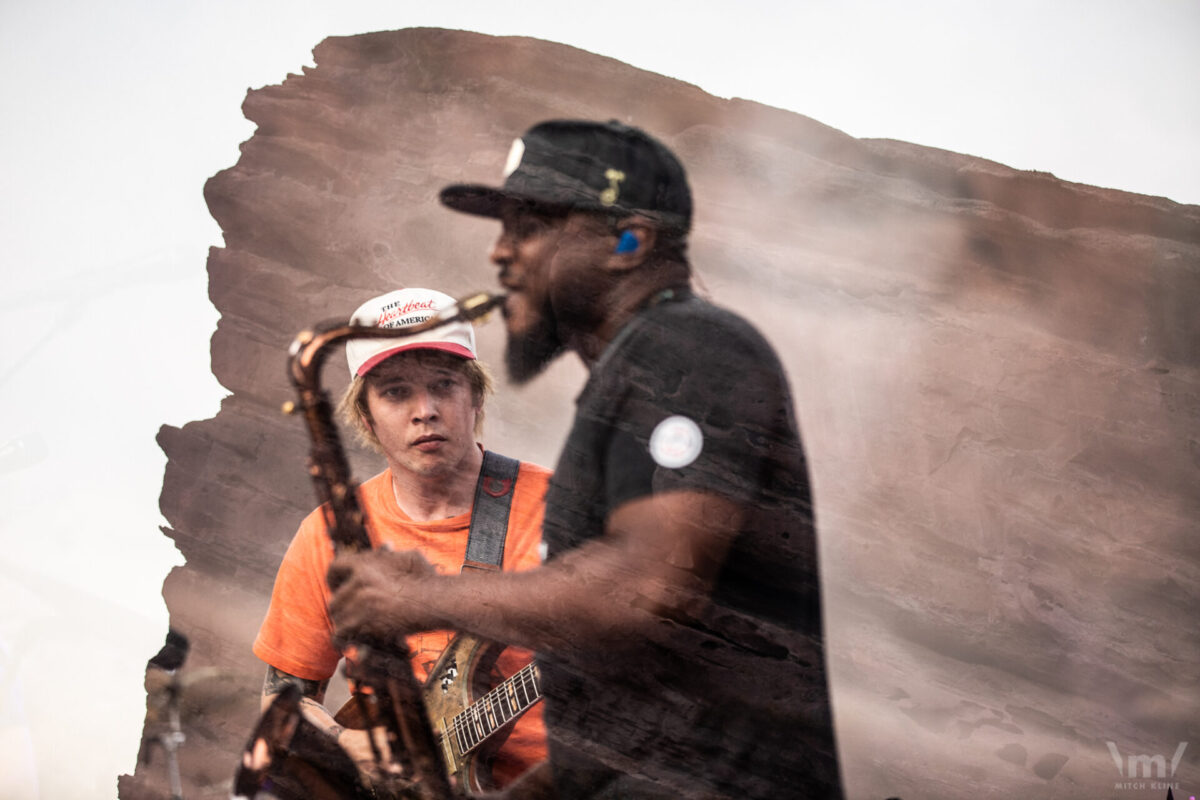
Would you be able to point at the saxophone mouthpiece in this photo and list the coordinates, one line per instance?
(477, 306)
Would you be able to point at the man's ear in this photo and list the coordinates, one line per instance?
(634, 242)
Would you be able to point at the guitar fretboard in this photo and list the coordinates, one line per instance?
(495, 709)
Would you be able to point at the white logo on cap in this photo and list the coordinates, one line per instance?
(399, 314)
(514, 157)
(676, 442)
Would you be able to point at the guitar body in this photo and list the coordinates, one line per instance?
(470, 718)
(459, 679)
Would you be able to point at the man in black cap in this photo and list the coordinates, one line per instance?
(677, 616)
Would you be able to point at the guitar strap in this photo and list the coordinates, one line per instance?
(489, 514)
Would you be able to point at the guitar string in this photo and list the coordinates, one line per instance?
(479, 729)
(471, 728)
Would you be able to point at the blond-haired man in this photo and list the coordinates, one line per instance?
(419, 402)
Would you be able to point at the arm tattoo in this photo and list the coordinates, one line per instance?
(335, 730)
(277, 679)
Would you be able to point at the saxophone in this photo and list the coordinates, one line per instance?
(385, 690)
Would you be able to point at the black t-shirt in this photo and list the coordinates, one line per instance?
(730, 699)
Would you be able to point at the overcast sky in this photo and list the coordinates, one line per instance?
(116, 113)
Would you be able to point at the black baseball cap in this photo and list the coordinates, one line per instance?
(584, 165)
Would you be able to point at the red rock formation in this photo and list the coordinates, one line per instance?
(996, 374)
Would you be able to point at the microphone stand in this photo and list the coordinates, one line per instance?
(169, 659)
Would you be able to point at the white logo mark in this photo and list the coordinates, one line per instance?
(1145, 762)
(676, 442)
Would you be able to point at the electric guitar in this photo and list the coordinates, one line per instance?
(469, 727)
(469, 719)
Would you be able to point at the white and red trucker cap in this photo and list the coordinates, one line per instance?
(396, 310)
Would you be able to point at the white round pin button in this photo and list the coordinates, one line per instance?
(676, 442)
(515, 154)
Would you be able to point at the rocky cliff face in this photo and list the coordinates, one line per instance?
(997, 375)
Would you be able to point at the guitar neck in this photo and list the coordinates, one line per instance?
(511, 698)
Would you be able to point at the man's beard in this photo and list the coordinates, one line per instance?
(531, 351)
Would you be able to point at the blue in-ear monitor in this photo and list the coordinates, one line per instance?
(627, 243)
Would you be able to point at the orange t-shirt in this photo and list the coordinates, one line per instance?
(296, 636)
